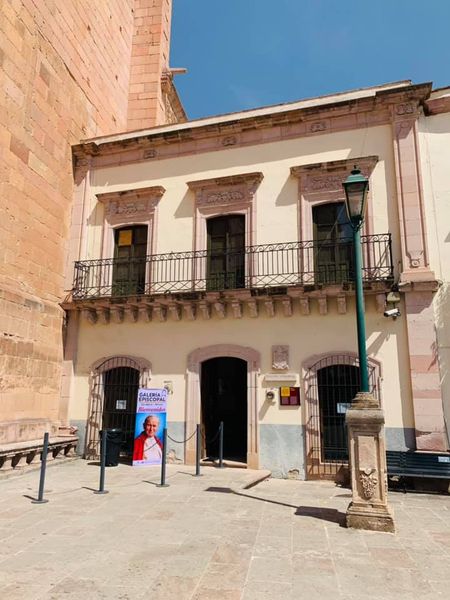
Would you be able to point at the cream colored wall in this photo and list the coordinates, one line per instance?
(277, 195)
(167, 345)
(435, 153)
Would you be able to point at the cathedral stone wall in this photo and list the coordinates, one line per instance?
(65, 75)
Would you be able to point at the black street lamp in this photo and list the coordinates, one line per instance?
(356, 187)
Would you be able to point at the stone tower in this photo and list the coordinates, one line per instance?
(69, 70)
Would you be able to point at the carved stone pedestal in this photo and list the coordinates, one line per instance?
(369, 508)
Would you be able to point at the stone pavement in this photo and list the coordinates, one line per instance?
(199, 540)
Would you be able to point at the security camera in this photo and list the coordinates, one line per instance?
(392, 312)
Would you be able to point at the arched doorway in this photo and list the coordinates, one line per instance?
(193, 395)
(114, 384)
(224, 399)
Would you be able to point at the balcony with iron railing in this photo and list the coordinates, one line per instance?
(254, 268)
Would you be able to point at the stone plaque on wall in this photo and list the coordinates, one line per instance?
(280, 358)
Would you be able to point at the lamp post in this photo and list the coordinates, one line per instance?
(356, 187)
(365, 420)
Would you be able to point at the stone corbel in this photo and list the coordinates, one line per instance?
(175, 311)
(287, 307)
(236, 307)
(342, 305)
(103, 315)
(304, 305)
(220, 309)
(160, 312)
(252, 306)
(205, 310)
(90, 314)
(132, 314)
(117, 314)
(323, 305)
(270, 307)
(189, 311)
(145, 314)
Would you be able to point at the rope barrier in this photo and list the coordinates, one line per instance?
(213, 439)
(182, 441)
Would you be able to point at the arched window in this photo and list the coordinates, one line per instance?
(114, 385)
(331, 383)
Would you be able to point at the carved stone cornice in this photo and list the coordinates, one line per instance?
(175, 112)
(131, 203)
(224, 191)
(373, 109)
(329, 176)
(437, 105)
(251, 179)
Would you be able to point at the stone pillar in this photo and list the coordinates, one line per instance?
(368, 508)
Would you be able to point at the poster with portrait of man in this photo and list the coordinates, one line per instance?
(150, 423)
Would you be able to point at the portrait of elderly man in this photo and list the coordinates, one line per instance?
(147, 446)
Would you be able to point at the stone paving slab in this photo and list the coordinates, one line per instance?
(210, 538)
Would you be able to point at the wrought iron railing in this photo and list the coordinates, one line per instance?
(254, 267)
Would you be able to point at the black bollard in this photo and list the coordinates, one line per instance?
(197, 453)
(40, 499)
(163, 461)
(221, 465)
(101, 487)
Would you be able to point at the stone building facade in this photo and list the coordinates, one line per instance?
(69, 70)
(214, 260)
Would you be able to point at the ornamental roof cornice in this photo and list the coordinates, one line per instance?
(338, 112)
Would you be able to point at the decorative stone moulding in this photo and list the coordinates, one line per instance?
(134, 204)
(221, 196)
(223, 191)
(233, 305)
(128, 207)
(280, 357)
(322, 182)
(303, 120)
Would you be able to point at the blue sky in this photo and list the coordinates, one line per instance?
(242, 54)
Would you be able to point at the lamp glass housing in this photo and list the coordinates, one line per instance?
(356, 187)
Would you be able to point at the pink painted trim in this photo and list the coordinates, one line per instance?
(321, 183)
(309, 369)
(232, 195)
(101, 364)
(413, 237)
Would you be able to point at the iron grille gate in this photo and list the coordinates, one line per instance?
(333, 382)
(113, 396)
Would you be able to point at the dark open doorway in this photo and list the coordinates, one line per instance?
(224, 398)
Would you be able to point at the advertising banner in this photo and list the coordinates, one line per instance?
(150, 423)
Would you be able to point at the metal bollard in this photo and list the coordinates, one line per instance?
(40, 499)
(163, 461)
(221, 465)
(101, 487)
(197, 453)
